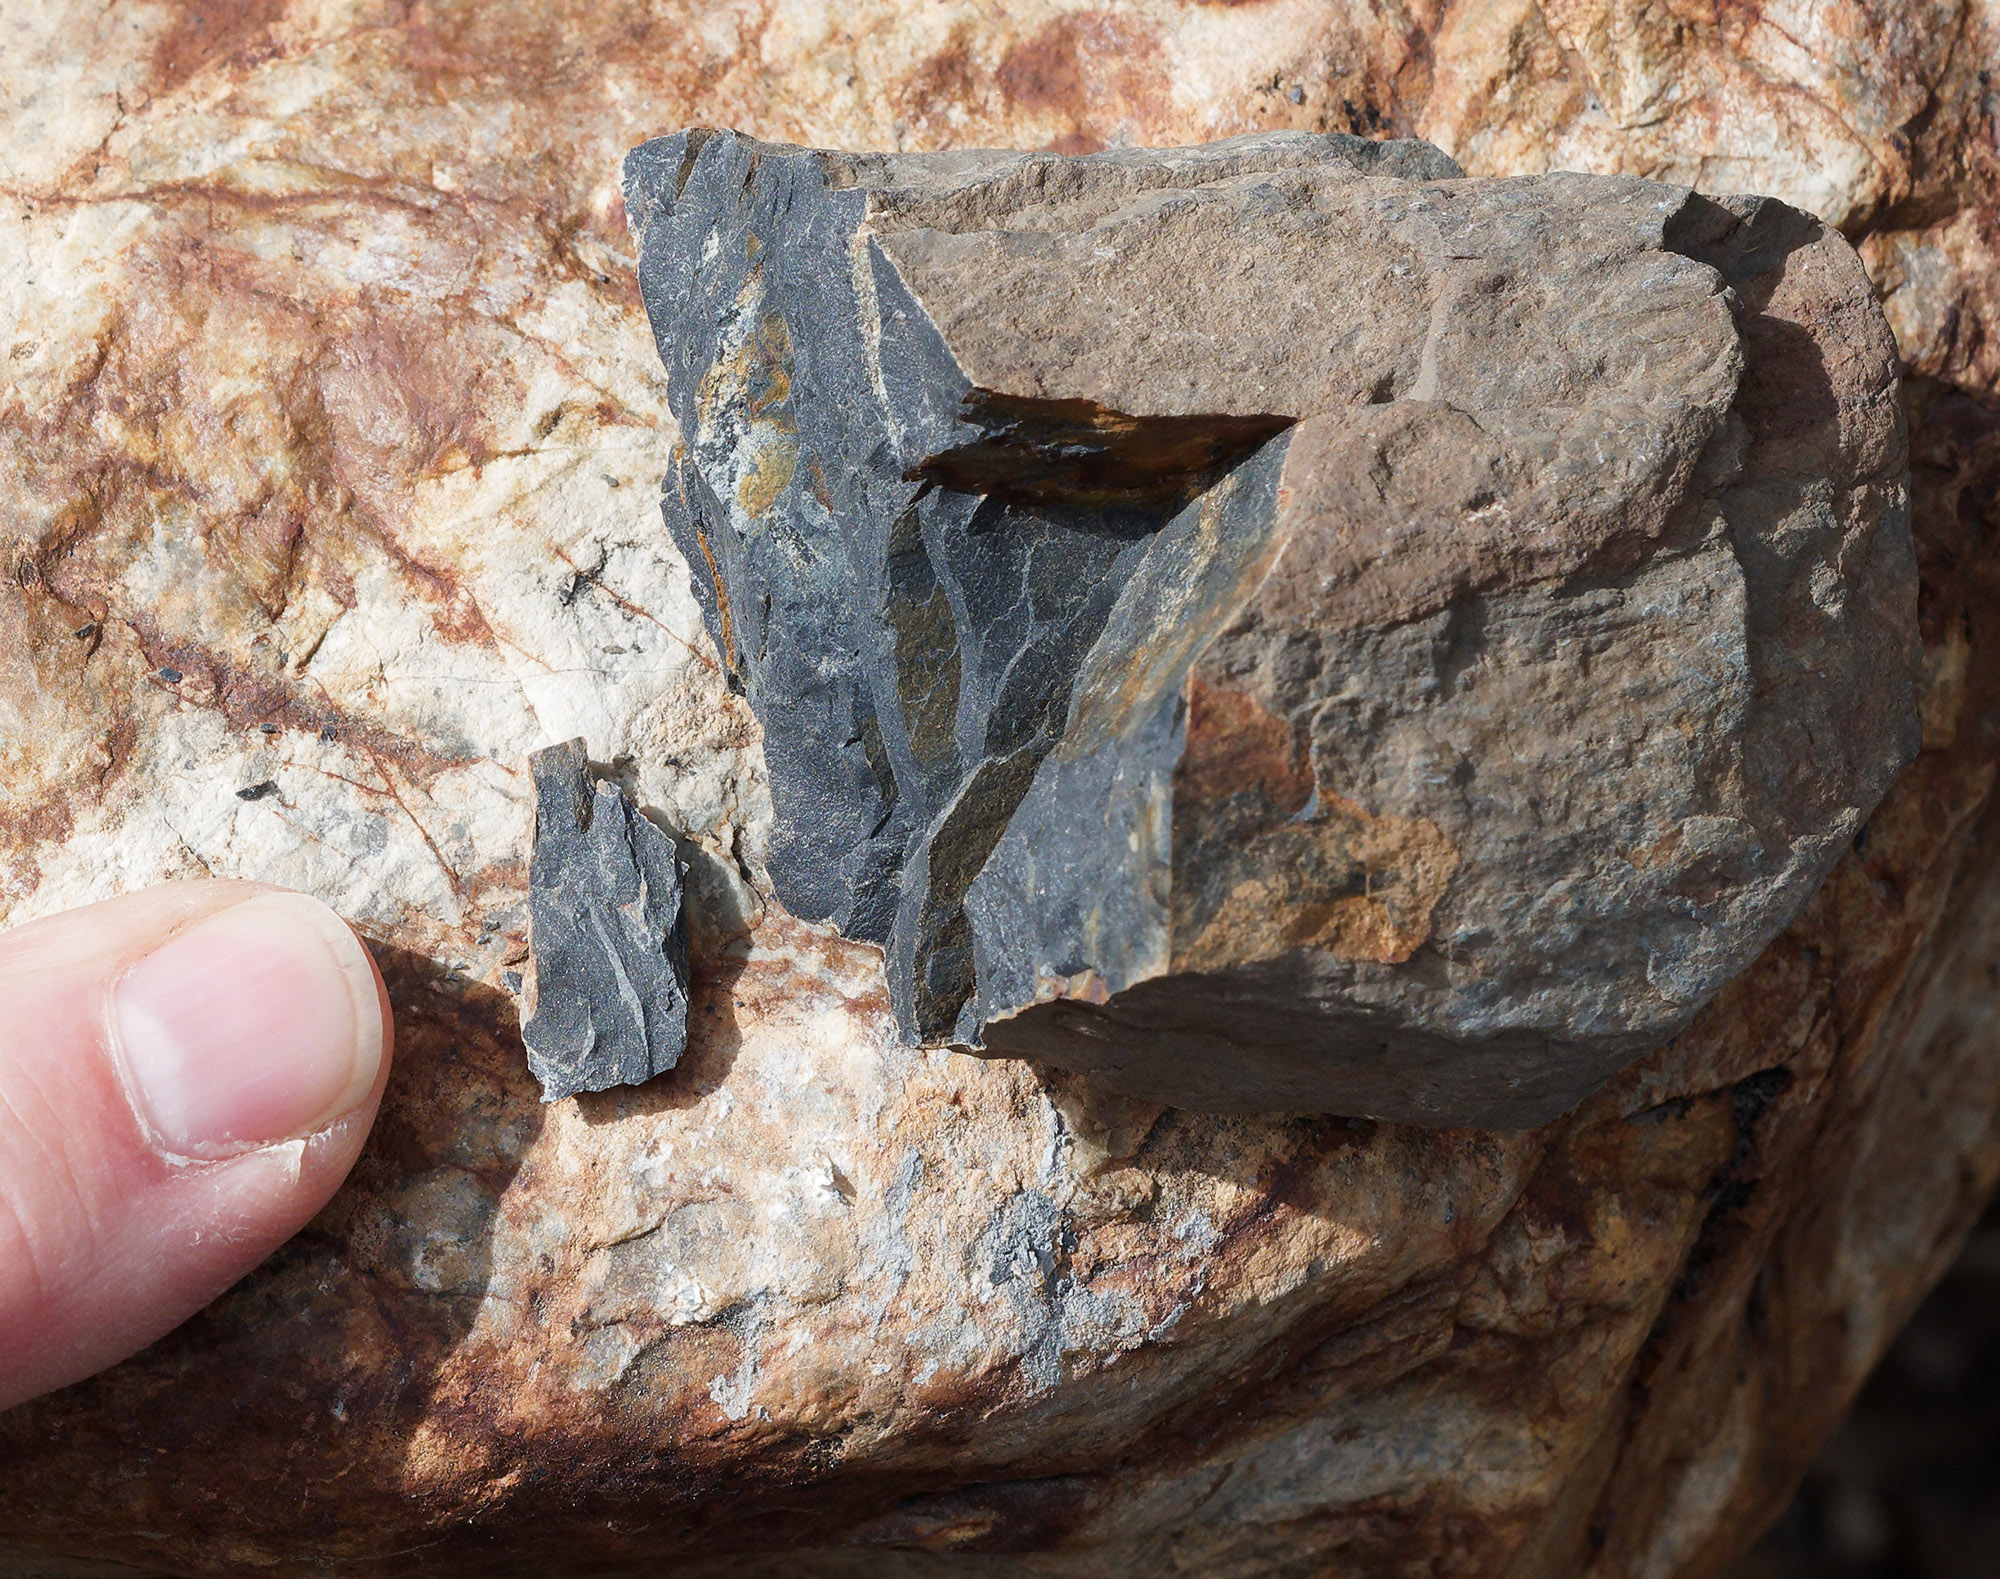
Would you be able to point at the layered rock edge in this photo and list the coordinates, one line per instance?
(1280, 625)
(606, 993)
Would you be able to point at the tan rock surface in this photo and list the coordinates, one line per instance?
(329, 405)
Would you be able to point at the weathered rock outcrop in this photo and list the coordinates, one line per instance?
(329, 390)
(1277, 626)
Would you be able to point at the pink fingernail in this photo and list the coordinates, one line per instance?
(260, 1023)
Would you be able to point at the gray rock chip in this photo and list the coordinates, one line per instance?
(1281, 625)
(607, 997)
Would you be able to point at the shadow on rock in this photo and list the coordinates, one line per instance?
(339, 1338)
(714, 1038)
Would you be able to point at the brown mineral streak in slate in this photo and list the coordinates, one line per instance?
(1262, 1345)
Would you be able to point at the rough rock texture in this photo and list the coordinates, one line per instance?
(607, 985)
(329, 390)
(1276, 625)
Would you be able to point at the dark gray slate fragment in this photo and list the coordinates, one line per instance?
(607, 996)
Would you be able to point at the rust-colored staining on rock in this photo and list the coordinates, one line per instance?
(1360, 888)
(944, 85)
(1238, 746)
(236, 33)
(1095, 75)
(62, 730)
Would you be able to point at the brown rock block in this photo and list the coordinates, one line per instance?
(1280, 625)
(329, 392)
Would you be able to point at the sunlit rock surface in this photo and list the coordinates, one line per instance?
(1278, 625)
(330, 405)
(607, 980)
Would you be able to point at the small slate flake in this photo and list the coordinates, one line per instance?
(607, 997)
(257, 791)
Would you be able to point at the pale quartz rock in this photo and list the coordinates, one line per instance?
(328, 389)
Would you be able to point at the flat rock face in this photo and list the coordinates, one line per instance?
(331, 404)
(1278, 625)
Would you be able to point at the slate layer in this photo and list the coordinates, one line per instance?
(1280, 625)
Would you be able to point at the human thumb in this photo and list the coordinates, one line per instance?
(186, 1075)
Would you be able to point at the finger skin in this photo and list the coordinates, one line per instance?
(106, 1241)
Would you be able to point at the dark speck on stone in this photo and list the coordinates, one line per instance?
(171, 676)
(85, 631)
(257, 791)
(606, 1002)
(267, 729)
